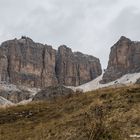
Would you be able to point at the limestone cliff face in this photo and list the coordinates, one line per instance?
(36, 65)
(25, 62)
(76, 68)
(124, 58)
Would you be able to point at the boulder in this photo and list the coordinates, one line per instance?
(52, 92)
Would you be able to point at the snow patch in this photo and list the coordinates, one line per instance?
(8, 87)
(4, 102)
(95, 84)
(24, 102)
(4, 86)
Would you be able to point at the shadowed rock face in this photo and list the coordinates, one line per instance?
(124, 58)
(33, 64)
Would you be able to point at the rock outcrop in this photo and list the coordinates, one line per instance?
(28, 63)
(24, 62)
(15, 96)
(124, 58)
(52, 92)
(138, 81)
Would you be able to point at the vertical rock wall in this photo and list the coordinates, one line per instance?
(36, 65)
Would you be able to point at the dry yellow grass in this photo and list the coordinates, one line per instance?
(106, 114)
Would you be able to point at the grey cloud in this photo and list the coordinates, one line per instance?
(127, 23)
(90, 26)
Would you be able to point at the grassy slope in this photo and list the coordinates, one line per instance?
(107, 114)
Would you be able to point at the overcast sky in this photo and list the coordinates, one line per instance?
(89, 26)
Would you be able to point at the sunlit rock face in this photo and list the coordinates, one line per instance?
(124, 58)
(33, 64)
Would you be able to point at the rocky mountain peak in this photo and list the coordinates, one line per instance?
(64, 49)
(123, 38)
(124, 58)
(26, 38)
(122, 42)
(36, 65)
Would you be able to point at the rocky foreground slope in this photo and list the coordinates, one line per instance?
(105, 114)
(124, 58)
(33, 64)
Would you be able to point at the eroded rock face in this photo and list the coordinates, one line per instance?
(124, 58)
(25, 62)
(15, 96)
(74, 69)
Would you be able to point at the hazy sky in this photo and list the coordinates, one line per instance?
(89, 26)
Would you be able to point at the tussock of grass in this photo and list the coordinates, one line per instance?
(107, 114)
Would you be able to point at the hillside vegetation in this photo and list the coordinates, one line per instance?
(105, 114)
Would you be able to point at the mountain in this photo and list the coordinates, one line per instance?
(59, 112)
(124, 58)
(24, 62)
(42, 68)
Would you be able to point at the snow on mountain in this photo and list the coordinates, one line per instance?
(5, 102)
(11, 89)
(95, 84)
(8, 87)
